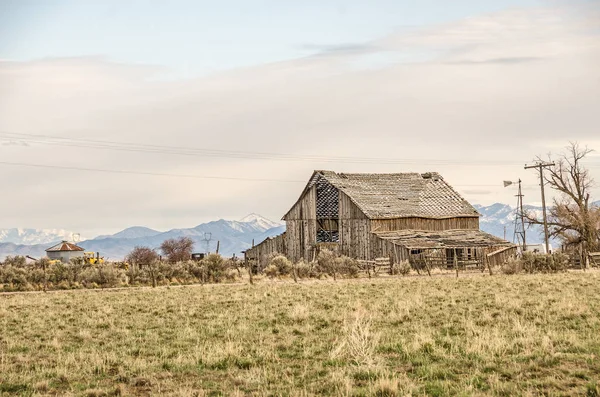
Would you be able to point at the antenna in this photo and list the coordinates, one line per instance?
(207, 239)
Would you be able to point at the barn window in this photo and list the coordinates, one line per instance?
(327, 212)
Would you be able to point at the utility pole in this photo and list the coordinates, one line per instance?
(520, 198)
(540, 166)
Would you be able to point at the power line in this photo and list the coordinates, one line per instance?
(147, 173)
(195, 152)
(192, 151)
(113, 171)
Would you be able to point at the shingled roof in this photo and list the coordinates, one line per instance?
(401, 195)
(64, 246)
(414, 239)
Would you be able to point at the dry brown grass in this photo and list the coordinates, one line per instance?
(500, 335)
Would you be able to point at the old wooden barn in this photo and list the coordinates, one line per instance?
(403, 216)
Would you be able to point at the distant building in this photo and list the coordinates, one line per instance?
(64, 251)
(538, 248)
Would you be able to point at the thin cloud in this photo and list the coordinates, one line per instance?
(498, 61)
(311, 106)
(344, 48)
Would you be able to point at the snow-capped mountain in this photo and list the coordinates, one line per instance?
(497, 216)
(233, 238)
(34, 236)
(131, 232)
(260, 222)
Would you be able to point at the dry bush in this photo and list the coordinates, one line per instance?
(347, 266)
(512, 266)
(16, 261)
(544, 263)
(105, 276)
(404, 268)
(271, 271)
(326, 262)
(278, 266)
(215, 269)
(15, 278)
(331, 264)
(305, 270)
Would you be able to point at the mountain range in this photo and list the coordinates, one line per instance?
(233, 236)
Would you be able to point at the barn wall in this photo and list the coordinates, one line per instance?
(386, 225)
(381, 248)
(501, 255)
(301, 228)
(305, 208)
(355, 230)
(261, 252)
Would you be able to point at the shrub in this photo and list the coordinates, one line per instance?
(16, 261)
(512, 266)
(326, 263)
(305, 270)
(106, 276)
(278, 266)
(404, 268)
(271, 271)
(347, 266)
(329, 263)
(544, 263)
(215, 269)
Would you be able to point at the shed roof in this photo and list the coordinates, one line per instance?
(400, 195)
(64, 246)
(421, 239)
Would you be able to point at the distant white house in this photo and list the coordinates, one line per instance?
(538, 248)
(64, 251)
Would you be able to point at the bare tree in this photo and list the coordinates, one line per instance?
(177, 250)
(144, 257)
(572, 218)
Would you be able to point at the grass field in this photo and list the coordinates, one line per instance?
(500, 335)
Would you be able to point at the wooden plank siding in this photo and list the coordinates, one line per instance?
(260, 252)
(500, 256)
(381, 248)
(386, 225)
(301, 228)
(355, 230)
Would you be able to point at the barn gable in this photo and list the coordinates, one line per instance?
(393, 196)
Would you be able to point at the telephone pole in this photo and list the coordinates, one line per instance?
(540, 166)
(522, 214)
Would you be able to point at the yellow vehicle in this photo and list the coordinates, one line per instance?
(93, 258)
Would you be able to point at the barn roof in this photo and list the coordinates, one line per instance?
(400, 195)
(420, 239)
(64, 246)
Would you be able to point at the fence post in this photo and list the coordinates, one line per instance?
(456, 262)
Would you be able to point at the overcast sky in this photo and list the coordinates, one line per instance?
(258, 94)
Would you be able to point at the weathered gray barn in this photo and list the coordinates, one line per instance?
(400, 216)
(64, 251)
